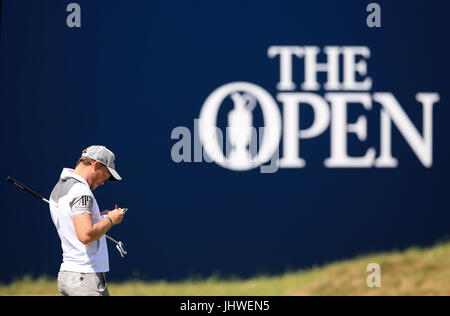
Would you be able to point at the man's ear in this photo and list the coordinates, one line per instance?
(95, 165)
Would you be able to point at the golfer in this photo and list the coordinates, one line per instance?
(80, 225)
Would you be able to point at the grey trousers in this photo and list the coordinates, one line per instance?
(82, 284)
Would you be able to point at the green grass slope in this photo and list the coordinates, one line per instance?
(413, 272)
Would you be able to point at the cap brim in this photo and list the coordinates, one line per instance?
(114, 175)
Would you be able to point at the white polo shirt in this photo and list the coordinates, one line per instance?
(71, 196)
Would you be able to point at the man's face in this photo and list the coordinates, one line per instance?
(99, 174)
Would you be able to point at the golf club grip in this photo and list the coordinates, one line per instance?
(25, 188)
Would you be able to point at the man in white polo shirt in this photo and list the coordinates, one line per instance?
(80, 225)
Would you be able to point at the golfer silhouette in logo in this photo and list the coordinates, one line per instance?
(240, 123)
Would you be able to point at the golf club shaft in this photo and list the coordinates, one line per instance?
(25, 188)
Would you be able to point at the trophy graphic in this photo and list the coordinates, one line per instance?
(240, 126)
(243, 152)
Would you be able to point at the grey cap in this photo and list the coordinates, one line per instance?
(106, 157)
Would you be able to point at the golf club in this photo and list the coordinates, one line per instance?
(119, 245)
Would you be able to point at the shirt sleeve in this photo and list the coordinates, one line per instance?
(81, 202)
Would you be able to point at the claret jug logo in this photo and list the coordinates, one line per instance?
(248, 147)
(240, 126)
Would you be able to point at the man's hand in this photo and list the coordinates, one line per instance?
(88, 232)
(116, 215)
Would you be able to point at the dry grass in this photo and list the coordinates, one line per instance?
(413, 272)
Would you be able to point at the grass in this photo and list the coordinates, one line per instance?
(415, 271)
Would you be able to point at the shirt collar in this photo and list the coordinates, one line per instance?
(68, 173)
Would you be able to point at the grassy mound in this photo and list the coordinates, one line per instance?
(413, 272)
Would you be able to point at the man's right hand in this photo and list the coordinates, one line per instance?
(116, 216)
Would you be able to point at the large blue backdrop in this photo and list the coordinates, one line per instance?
(136, 70)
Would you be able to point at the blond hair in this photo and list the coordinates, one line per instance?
(85, 160)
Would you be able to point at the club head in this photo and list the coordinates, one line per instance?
(121, 248)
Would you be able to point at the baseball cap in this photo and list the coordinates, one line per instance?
(104, 156)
